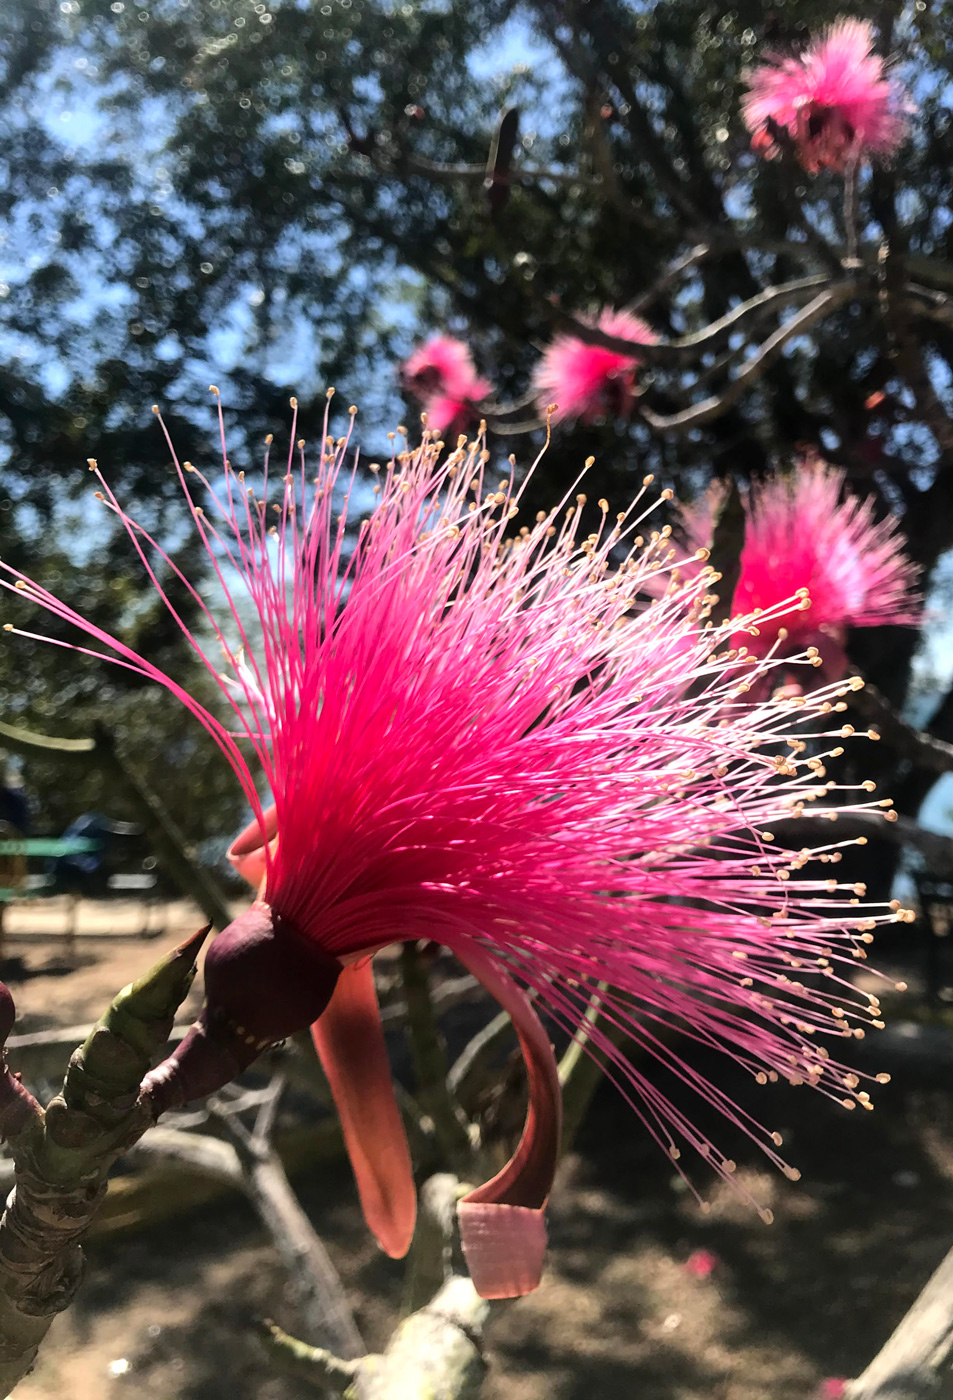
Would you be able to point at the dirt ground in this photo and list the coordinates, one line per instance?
(644, 1295)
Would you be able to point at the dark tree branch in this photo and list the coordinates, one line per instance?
(690, 347)
(890, 826)
(755, 367)
(914, 744)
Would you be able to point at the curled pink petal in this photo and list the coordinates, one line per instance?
(502, 1228)
(349, 1039)
(247, 851)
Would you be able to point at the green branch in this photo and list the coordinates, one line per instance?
(63, 1156)
(430, 1064)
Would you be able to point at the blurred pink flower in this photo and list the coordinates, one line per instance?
(836, 101)
(803, 535)
(701, 1263)
(471, 735)
(442, 375)
(832, 1388)
(589, 381)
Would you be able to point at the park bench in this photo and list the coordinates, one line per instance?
(41, 847)
(141, 882)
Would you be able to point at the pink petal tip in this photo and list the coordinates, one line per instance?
(504, 1247)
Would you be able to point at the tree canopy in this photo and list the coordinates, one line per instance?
(280, 197)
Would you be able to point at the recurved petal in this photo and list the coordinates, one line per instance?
(247, 851)
(502, 1225)
(349, 1039)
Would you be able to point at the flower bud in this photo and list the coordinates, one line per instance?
(263, 982)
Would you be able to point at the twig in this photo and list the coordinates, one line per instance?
(447, 995)
(436, 1353)
(909, 355)
(688, 347)
(910, 742)
(753, 368)
(318, 1291)
(430, 1063)
(917, 1360)
(62, 1157)
(429, 1262)
(317, 1285)
(195, 1152)
(467, 1074)
(727, 544)
(699, 254)
(936, 850)
(581, 1070)
(580, 61)
(268, 1112)
(315, 1365)
(391, 159)
(254, 1167)
(851, 209)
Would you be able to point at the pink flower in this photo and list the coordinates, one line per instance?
(701, 1263)
(832, 1388)
(442, 375)
(588, 381)
(471, 736)
(801, 537)
(836, 101)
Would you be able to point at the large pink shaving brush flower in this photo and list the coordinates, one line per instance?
(836, 100)
(590, 381)
(804, 536)
(473, 735)
(442, 375)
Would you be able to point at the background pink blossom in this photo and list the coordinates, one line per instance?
(836, 100)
